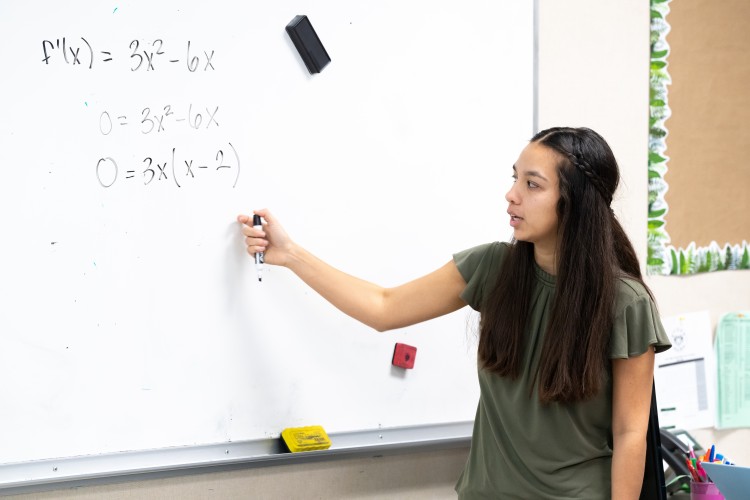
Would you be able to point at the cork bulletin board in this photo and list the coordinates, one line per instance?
(699, 171)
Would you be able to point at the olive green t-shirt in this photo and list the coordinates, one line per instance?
(521, 448)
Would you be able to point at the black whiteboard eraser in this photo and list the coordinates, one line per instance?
(308, 44)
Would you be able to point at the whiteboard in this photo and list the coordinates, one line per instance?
(132, 136)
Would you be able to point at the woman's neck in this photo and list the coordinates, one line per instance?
(546, 259)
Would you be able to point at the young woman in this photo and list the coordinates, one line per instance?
(568, 329)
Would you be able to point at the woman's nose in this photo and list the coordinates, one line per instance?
(511, 196)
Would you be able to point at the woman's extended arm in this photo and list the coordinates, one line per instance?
(632, 382)
(381, 308)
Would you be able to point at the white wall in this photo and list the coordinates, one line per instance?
(593, 71)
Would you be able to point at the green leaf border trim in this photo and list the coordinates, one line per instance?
(663, 258)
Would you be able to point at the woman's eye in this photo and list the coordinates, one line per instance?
(532, 185)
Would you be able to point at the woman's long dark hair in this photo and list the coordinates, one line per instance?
(592, 252)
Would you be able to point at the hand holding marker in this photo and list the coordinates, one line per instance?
(257, 224)
(264, 236)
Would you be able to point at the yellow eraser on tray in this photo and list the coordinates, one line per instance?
(308, 438)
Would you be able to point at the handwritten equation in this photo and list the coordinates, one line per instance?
(144, 56)
(162, 169)
(150, 56)
(157, 121)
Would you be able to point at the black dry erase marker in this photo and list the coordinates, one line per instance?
(258, 255)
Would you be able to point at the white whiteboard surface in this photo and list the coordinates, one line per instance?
(131, 316)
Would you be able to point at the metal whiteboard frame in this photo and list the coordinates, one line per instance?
(54, 474)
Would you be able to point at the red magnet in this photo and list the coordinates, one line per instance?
(404, 355)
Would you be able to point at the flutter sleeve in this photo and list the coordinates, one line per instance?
(479, 266)
(637, 327)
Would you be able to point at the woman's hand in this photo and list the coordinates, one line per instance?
(272, 240)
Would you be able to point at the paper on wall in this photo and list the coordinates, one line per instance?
(733, 358)
(684, 375)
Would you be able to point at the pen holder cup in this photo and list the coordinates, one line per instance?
(704, 491)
